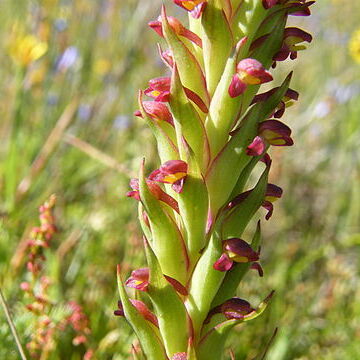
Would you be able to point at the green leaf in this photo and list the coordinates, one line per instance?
(217, 42)
(190, 71)
(169, 308)
(150, 343)
(187, 122)
(167, 241)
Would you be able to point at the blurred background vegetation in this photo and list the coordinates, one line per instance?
(69, 78)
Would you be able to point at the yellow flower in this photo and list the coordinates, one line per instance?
(354, 46)
(26, 49)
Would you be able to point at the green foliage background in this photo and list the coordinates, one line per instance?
(311, 245)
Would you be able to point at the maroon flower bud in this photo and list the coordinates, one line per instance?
(171, 172)
(177, 27)
(236, 308)
(248, 72)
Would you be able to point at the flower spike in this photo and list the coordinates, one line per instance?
(212, 138)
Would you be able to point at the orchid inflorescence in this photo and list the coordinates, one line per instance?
(212, 128)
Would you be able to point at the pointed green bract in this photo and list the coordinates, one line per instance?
(169, 309)
(167, 242)
(205, 283)
(188, 124)
(190, 71)
(217, 42)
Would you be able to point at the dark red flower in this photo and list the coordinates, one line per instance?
(235, 250)
(171, 172)
(292, 38)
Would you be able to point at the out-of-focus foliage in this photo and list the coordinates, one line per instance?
(69, 77)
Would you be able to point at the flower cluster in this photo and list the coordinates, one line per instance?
(213, 128)
(36, 290)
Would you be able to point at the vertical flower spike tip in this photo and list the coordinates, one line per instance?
(157, 111)
(248, 72)
(178, 28)
(172, 172)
